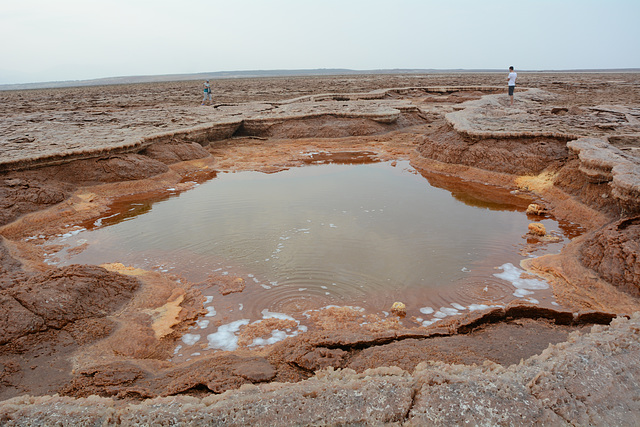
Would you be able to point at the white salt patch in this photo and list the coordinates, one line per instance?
(265, 286)
(225, 338)
(429, 322)
(444, 312)
(190, 339)
(458, 306)
(241, 306)
(210, 311)
(276, 335)
(333, 226)
(171, 189)
(477, 307)
(555, 303)
(465, 269)
(533, 301)
(202, 324)
(266, 314)
(195, 354)
(177, 349)
(323, 287)
(209, 300)
(523, 287)
(302, 289)
(521, 293)
(98, 222)
(72, 233)
(427, 310)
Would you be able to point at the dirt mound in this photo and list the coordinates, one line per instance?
(169, 153)
(45, 317)
(517, 156)
(19, 196)
(614, 253)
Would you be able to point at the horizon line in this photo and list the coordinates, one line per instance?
(158, 78)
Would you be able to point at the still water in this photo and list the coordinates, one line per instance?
(344, 234)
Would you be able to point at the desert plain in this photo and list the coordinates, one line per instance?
(94, 344)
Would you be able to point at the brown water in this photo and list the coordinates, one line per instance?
(362, 235)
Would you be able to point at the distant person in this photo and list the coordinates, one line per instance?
(207, 93)
(512, 82)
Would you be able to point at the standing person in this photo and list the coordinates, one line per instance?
(512, 82)
(207, 93)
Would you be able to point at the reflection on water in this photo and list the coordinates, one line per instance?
(363, 235)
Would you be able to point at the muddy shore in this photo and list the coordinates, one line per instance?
(103, 336)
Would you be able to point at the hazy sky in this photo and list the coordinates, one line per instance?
(48, 40)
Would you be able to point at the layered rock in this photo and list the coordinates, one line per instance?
(614, 253)
(577, 382)
(602, 163)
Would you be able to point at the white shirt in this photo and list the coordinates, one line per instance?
(512, 78)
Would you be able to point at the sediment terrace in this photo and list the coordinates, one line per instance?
(570, 142)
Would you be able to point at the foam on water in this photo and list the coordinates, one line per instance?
(225, 338)
(454, 310)
(202, 324)
(427, 310)
(524, 286)
(190, 339)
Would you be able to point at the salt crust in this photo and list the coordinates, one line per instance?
(592, 379)
(226, 337)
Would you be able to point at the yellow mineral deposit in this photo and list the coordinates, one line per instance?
(399, 309)
(537, 229)
(536, 209)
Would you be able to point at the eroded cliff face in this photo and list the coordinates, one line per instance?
(590, 379)
(88, 331)
(614, 252)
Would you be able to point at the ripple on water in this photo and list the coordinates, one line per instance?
(293, 299)
(305, 238)
(489, 290)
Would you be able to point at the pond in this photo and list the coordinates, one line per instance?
(362, 235)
